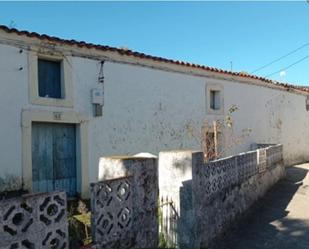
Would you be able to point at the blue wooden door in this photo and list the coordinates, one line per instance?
(54, 157)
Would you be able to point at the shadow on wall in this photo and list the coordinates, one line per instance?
(186, 220)
(266, 224)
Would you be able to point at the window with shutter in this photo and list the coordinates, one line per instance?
(49, 79)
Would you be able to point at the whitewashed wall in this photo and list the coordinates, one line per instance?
(14, 91)
(148, 110)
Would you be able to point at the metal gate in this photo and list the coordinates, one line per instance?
(168, 223)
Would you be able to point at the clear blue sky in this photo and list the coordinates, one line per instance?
(250, 34)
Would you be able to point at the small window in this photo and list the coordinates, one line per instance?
(49, 79)
(215, 100)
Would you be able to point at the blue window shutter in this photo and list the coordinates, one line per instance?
(49, 78)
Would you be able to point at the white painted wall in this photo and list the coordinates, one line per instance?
(148, 110)
(13, 90)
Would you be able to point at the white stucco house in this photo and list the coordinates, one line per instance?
(64, 104)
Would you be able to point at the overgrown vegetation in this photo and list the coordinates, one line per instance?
(163, 243)
(79, 219)
(218, 138)
(162, 240)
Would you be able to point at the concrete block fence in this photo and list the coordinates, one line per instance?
(210, 196)
(225, 188)
(207, 198)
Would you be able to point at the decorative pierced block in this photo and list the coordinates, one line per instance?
(216, 176)
(274, 155)
(35, 221)
(246, 165)
(112, 210)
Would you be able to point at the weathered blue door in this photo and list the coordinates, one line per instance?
(54, 157)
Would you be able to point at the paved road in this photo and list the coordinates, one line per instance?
(279, 221)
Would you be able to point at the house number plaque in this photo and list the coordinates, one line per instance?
(57, 115)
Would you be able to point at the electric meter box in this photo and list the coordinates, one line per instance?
(97, 96)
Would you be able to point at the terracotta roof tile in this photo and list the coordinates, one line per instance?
(128, 52)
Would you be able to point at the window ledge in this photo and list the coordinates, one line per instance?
(215, 112)
(51, 101)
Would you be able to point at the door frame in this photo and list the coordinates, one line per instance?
(82, 153)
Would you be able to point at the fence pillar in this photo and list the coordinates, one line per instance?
(175, 182)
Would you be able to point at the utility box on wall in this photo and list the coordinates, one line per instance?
(97, 99)
(97, 96)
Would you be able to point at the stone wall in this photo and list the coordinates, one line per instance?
(224, 189)
(34, 221)
(139, 178)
